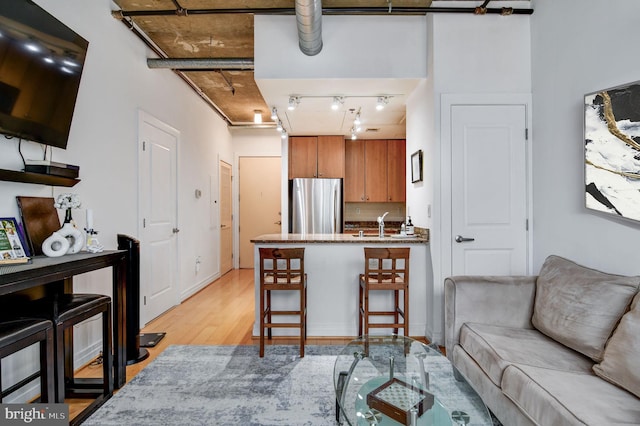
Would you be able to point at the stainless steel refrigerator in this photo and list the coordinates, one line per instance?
(315, 206)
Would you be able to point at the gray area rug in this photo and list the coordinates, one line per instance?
(228, 385)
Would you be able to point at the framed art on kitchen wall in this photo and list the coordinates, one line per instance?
(416, 166)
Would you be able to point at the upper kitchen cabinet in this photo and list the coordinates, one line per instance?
(354, 171)
(397, 170)
(375, 171)
(316, 157)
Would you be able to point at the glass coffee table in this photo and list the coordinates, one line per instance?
(395, 380)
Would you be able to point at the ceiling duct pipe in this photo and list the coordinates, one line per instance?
(206, 64)
(309, 20)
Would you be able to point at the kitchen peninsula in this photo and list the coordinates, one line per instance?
(333, 263)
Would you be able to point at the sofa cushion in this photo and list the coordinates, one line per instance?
(552, 397)
(494, 348)
(621, 363)
(579, 307)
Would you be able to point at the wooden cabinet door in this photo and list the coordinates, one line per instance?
(303, 154)
(397, 165)
(375, 170)
(331, 156)
(354, 171)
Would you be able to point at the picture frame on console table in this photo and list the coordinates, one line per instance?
(13, 247)
(612, 151)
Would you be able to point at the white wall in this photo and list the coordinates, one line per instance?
(469, 55)
(578, 47)
(116, 83)
(353, 47)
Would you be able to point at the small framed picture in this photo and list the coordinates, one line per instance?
(12, 244)
(416, 166)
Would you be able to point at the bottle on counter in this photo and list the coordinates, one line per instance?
(409, 229)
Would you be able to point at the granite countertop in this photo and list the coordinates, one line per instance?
(347, 237)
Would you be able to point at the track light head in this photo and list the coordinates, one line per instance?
(274, 114)
(337, 101)
(293, 102)
(382, 102)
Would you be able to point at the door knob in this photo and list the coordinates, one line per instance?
(278, 222)
(175, 230)
(461, 239)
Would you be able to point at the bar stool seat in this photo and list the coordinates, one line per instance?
(386, 269)
(282, 270)
(18, 334)
(65, 311)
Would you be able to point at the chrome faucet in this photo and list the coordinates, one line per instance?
(381, 225)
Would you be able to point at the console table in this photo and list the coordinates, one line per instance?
(55, 274)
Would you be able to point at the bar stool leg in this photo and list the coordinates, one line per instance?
(47, 368)
(262, 314)
(107, 353)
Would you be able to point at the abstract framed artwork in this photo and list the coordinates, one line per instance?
(612, 151)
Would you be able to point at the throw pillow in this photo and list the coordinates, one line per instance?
(578, 306)
(621, 355)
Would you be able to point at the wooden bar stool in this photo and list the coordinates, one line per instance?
(282, 270)
(65, 311)
(18, 334)
(385, 269)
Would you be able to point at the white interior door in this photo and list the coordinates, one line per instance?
(158, 221)
(489, 224)
(226, 219)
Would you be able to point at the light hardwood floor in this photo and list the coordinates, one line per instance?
(220, 314)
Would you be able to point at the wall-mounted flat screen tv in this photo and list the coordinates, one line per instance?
(41, 62)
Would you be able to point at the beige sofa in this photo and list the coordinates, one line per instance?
(560, 348)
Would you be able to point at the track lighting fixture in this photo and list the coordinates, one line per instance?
(382, 102)
(284, 134)
(356, 121)
(337, 102)
(274, 114)
(293, 102)
(279, 126)
(353, 134)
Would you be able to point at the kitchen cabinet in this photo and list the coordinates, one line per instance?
(375, 171)
(316, 157)
(397, 170)
(354, 171)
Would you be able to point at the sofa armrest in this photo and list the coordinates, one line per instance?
(495, 300)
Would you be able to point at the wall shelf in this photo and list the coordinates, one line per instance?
(39, 178)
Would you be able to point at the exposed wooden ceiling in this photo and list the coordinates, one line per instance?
(197, 29)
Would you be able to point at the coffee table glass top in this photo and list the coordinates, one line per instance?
(395, 380)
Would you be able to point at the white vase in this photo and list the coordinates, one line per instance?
(74, 235)
(55, 245)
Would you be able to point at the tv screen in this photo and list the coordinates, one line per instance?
(41, 62)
